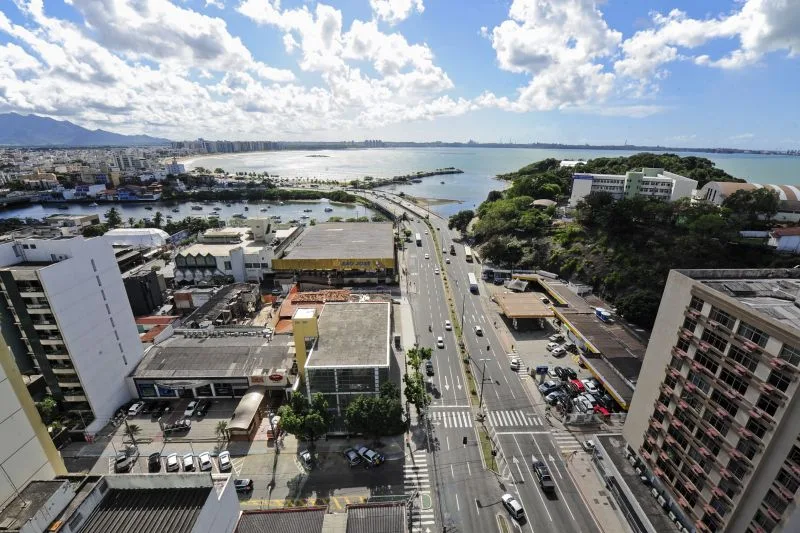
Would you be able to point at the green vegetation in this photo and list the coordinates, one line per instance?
(260, 193)
(414, 381)
(376, 415)
(113, 219)
(624, 249)
(486, 448)
(305, 420)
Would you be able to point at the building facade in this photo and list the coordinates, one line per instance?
(716, 192)
(66, 315)
(714, 417)
(649, 182)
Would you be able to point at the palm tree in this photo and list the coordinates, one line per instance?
(221, 430)
(132, 430)
(131, 222)
(158, 218)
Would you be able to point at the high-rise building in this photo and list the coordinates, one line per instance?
(66, 315)
(715, 416)
(26, 451)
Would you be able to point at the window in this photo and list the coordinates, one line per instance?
(227, 265)
(33, 246)
(786, 479)
(108, 309)
(680, 439)
(765, 522)
(758, 429)
(737, 468)
(748, 448)
(775, 501)
(719, 423)
(664, 399)
(698, 381)
(766, 404)
(670, 381)
(753, 334)
(675, 363)
(706, 361)
(794, 455)
(111, 318)
(778, 380)
(696, 303)
(99, 283)
(714, 340)
(735, 382)
(690, 324)
(683, 345)
(743, 358)
(720, 399)
(25, 246)
(125, 360)
(790, 355)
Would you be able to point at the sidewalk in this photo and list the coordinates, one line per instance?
(593, 492)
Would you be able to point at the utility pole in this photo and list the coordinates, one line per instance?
(463, 304)
(483, 378)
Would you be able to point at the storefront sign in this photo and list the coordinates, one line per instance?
(276, 377)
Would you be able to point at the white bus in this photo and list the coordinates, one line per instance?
(473, 283)
(419, 239)
(468, 254)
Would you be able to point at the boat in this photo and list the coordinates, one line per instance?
(227, 205)
(197, 207)
(169, 216)
(63, 207)
(281, 203)
(246, 208)
(239, 215)
(93, 204)
(149, 208)
(217, 209)
(176, 210)
(304, 216)
(441, 182)
(307, 210)
(328, 209)
(263, 209)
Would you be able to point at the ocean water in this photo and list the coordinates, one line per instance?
(480, 166)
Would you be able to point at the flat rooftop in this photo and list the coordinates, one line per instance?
(613, 447)
(774, 293)
(345, 240)
(212, 357)
(352, 334)
(27, 503)
(523, 305)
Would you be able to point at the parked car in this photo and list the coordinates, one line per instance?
(439, 342)
(224, 459)
(545, 301)
(559, 351)
(190, 409)
(243, 485)
(154, 462)
(305, 458)
(352, 457)
(558, 337)
(591, 386)
(552, 346)
(135, 409)
(172, 463)
(148, 408)
(478, 331)
(124, 461)
(543, 473)
(561, 373)
(555, 397)
(429, 367)
(588, 446)
(513, 506)
(188, 462)
(202, 408)
(370, 456)
(515, 363)
(551, 373)
(447, 325)
(571, 374)
(184, 424)
(205, 461)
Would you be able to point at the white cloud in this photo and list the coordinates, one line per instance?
(219, 4)
(742, 137)
(394, 11)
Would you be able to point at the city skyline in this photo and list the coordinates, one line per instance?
(558, 72)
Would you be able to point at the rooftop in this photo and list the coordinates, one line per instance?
(773, 293)
(348, 240)
(27, 503)
(303, 520)
(212, 357)
(377, 518)
(352, 334)
(522, 305)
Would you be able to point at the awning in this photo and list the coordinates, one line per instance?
(247, 408)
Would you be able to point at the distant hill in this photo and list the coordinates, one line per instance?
(33, 130)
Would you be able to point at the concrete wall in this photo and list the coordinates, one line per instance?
(674, 300)
(581, 187)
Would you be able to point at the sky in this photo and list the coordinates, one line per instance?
(690, 73)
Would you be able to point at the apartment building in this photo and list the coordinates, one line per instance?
(714, 418)
(65, 315)
(649, 182)
(26, 451)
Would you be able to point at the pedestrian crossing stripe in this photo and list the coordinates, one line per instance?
(513, 418)
(453, 419)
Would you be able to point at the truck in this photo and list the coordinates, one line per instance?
(473, 283)
(602, 314)
(467, 254)
(452, 249)
(419, 239)
(543, 473)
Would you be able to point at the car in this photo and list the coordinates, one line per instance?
(190, 409)
(543, 473)
(426, 232)
(135, 409)
(559, 351)
(243, 485)
(447, 325)
(224, 459)
(552, 346)
(515, 363)
(513, 506)
(447, 260)
(588, 446)
(554, 397)
(558, 337)
(427, 256)
(148, 408)
(352, 457)
(372, 457)
(560, 372)
(440, 342)
(499, 281)
(187, 461)
(124, 461)
(591, 386)
(552, 374)
(571, 374)
(589, 398)
(478, 331)
(205, 461)
(436, 270)
(305, 458)
(429, 367)
(547, 387)
(202, 408)
(172, 463)
(154, 462)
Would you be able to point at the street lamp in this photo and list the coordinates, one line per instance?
(483, 378)
(463, 304)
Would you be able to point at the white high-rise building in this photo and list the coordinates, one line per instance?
(67, 317)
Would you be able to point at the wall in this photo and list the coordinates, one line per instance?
(674, 300)
(220, 514)
(581, 186)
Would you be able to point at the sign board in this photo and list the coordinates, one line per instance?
(541, 370)
(276, 377)
(257, 380)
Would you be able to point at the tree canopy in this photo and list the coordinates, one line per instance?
(303, 419)
(376, 415)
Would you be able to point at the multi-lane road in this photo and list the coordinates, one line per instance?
(467, 495)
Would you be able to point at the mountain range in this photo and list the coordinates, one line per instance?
(33, 130)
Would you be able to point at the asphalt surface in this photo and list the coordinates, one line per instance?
(469, 496)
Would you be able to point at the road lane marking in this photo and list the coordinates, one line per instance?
(543, 458)
(533, 478)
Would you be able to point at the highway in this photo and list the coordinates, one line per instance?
(468, 495)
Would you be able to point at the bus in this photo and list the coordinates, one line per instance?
(468, 254)
(419, 239)
(473, 283)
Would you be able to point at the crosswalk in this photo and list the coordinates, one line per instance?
(417, 478)
(566, 441)
(514, 418)
(452, 419)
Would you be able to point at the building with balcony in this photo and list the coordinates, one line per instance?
(65, 315)
(649, 183)
(714, 418)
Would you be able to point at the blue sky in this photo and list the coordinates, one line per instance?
(668, 72)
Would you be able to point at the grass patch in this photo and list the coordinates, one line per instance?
(486, 448)
(503, 525)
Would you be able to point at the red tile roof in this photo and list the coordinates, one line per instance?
(156, 320)
(152, 333)
(785, 232)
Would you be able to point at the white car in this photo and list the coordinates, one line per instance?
(135, 409)
(224, 461)
(436, 270)
(172, 463)
(558, 337)
(552, 346)
(426, 232)
(559, 351)
(513, 506)
(447, 325)
(447, 260)
(188, 462)
(190, 409)
(427, 256)
(205, 461)
(478, 331)
(515, 363)
(590, 385)
(440, 342)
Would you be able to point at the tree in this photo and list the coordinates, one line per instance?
(221, 430)
(95, 230)
(47, 408)
(306, 420)
(112, 218)
(493, 196)
(132, 430)
(415, 390)
(158, 218)
(461, 220)
(376, 415)
(219, 170)
(131, 222)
